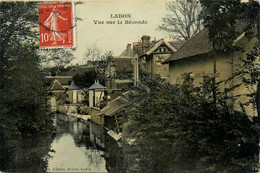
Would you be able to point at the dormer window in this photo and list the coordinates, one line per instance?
(162, 49)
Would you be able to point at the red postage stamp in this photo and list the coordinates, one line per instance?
(56, 25)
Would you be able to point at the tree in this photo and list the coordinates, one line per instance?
(225, 21)
(179, 128)
(220, 18)
(55, 57)
(93, 53)
(184, 21)
(99, 60)
(103, 63)
(87, 79)
(23, 103)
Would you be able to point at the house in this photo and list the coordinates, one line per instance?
(128, 52)
(57, 91)
(65, 81)
(56, 87)
(108, 116)
(96, 94)
(120, 73)
(153, 53)
(197, 58)
(112, 120)
(75, 94)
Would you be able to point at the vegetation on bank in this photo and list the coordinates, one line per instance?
(24, 111)
(181, 128)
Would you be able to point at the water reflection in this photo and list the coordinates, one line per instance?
(28, 155)
(78, 146)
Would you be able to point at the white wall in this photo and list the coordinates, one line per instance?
(99, 94)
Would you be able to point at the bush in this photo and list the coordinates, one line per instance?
(182, 128)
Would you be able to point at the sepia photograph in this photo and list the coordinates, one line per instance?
(128, 86)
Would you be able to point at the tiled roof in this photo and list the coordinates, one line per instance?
(96, 85)
(177, 43)
(73, 86)
(64, 80)
(123, 64)
(56, 85)
(116, 105)
(128, 52)
(199, 44)
(155, 46)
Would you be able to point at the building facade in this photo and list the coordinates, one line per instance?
(197, 58)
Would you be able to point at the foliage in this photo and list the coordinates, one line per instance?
(102, 65)
(184, 21)
(86, 80)
(180, 128)
(248, 72)
(99, 61)
(23, 103)
(226, 19)
(56, 57)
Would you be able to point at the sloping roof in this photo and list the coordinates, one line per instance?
(96, 85)
(199, 44)
(56, 85)
(64, 80)
(177, 43)
(116, 105)
(73, 86)
(140, 49)
(128, 52)
(155, 46)
(123, 64)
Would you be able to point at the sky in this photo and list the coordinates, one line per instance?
(115, 37)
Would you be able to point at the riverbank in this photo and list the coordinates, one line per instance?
(85, 118)
(80, 116)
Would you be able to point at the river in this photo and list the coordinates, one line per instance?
(83, 147)
(76, 147)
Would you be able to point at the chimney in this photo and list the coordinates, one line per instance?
(128, 49)
(145, 42)
(154, 40)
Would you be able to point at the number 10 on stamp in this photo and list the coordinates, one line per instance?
(56, 25)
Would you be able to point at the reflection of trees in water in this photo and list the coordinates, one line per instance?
(80, 132)
(114, 156)
(29, 155)
(152, 157)
(121, 159)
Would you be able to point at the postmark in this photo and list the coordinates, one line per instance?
(56, 25)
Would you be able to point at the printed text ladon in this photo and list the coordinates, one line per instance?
(120, 15)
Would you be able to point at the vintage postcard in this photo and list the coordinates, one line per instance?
(150, 86)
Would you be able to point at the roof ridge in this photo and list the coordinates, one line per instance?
(73, 86)
(96, 85)
(192, 49)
